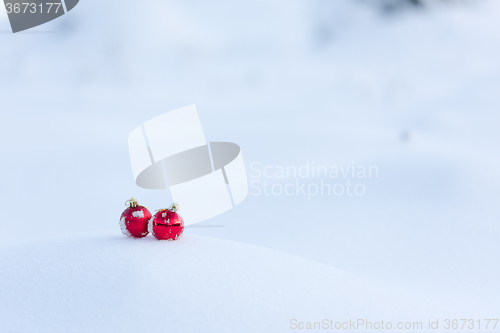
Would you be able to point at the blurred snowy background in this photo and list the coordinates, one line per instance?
(412, 87)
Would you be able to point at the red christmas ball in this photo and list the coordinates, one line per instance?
(167, 224)
(134, 220)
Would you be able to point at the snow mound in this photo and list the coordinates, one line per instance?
(111, 283)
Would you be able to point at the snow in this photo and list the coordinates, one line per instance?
(138, 213)
(289, 81)
(107, 282)
(123, 227)
(150, 225)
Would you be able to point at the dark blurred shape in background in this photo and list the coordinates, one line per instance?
(395, 6)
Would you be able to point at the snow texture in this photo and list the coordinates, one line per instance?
(138, 213)
(123, 227)
(150, 225)
(110, 283)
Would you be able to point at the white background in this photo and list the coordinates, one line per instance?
(290, 82)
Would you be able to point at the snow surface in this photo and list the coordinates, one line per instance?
(110, 283)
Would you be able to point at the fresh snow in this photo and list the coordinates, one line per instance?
(138, 213)
(123, 227)
(110, 283)
(150, 225)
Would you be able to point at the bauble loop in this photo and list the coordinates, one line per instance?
(131, 202)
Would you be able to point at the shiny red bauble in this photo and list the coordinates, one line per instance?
(167, 224)
(134, 220)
